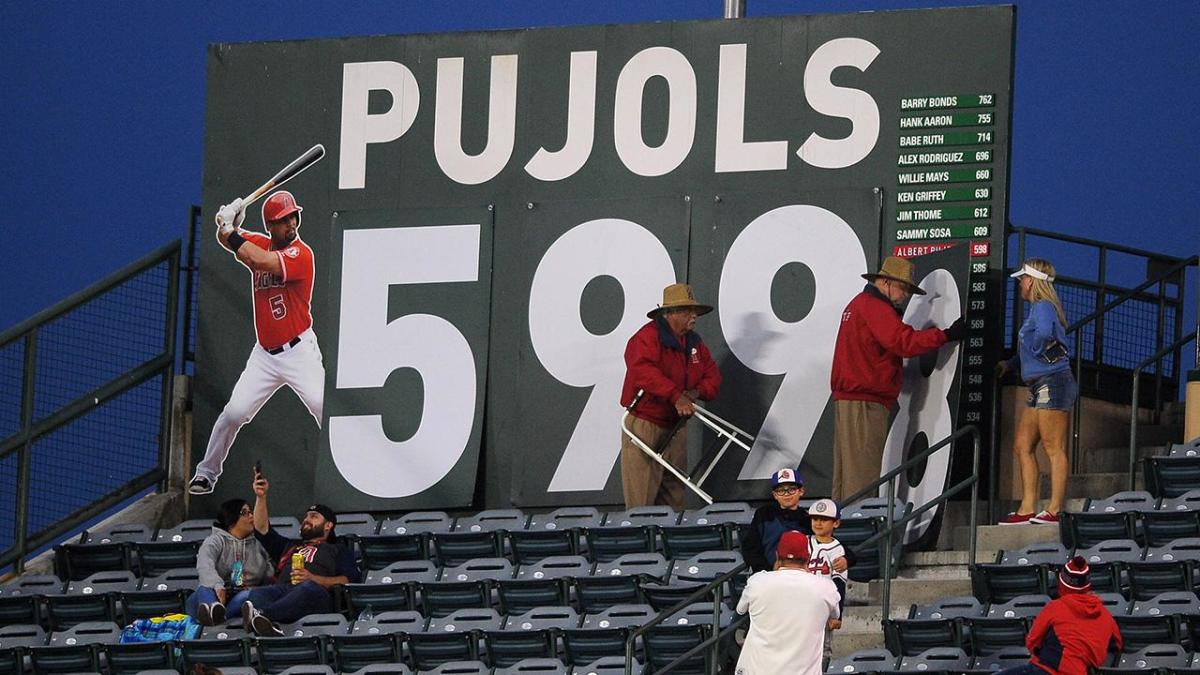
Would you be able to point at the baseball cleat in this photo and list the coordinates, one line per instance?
(200, 485)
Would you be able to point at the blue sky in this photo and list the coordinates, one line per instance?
(103, 114)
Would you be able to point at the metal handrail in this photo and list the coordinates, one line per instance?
(1085, 241)
(713, 587)
(1135, 394)
(886, 534)
(1078, 325)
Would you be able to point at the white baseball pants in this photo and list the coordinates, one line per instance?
(298, 367)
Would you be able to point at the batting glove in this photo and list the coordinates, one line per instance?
(239, 206)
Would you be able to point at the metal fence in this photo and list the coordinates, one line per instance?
(85, 392)
(1092, 274)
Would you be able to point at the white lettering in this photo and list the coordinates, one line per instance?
(360, 128)
(502, 121)
(581, 124)
(733, 153)
(672, 66)
(853, 104)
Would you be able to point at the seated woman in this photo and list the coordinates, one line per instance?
(231, 560)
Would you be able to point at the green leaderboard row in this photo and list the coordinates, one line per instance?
(940, 185)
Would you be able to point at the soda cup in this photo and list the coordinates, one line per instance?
(297, 563)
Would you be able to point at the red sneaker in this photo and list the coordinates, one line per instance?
(1045, 518)
(1015, 518)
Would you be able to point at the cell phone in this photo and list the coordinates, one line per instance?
(258, 469)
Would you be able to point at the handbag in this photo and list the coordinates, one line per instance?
(1054, 352)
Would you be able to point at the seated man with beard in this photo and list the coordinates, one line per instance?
(300, 589)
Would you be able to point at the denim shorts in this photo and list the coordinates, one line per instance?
(1056, 391)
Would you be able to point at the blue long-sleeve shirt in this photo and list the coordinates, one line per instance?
(1040, 328)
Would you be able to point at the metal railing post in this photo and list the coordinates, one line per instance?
(25, 454)
(994, 454)
(887, 550)
(1135, 393)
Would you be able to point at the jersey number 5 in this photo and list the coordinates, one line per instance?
(278, 309)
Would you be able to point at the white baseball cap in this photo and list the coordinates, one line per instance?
(825, 508)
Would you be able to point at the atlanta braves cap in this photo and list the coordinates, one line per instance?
(783, 476)
(825, 508)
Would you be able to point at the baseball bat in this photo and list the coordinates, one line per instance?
(310, 157)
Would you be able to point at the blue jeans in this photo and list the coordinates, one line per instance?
(1056, 391)
(284, 603)
(206, 595)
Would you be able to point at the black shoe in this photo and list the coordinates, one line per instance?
(200, 485)
(216, 612)
(260, 625)
(248, 613)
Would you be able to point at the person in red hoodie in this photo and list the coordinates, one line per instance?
(667, 360)
(867, 360)
(1073, 633)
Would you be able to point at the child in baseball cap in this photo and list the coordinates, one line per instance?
(825, 516)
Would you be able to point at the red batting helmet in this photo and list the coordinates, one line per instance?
(278, 206)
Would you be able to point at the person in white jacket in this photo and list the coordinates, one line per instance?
(789, 609)
(230, 562)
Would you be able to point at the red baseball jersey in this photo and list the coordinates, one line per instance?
(281, 304)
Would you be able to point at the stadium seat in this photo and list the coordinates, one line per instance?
(936, 659)
(388, 589)
(647, 565)
(135, 657)
(1115, 603)
(545, 582)
(1188, 501)
(125, 532)
(595, 593)
(12, 661)
(701, 612)
(182, 579)
(64, 611)
(1164, 526)
(478, 536)
(1165, 656)
(852, 533)
(989, 635)
(1187, 449)
(910, 637)
(460, 668)
(505, 648)
(662, 596)
(1148, 579)
(663, 644)
(143, 604)
(1143, 631)
(318, 624)
(1165, 604)
(583, 646)
(706, 567)
(358, 651)
(156, 557)
(74, 659)
(633, 531)
(1171, 477)
(87, 632)
(441, 598)
(79, 561)
(380, 550)
(864, 661)
(16, 610)
(189, 530)
(1001, 583)
(607, 665)
(429, 650)
(27, 635)
(553, 534)
(542, 618)
(385, 623)
(551, 666)
(555, 567)
(1022, 606)
(277, 654)
(1007, 657)
(418, 522)
(685, 541)
(1052, 553)
(392, 668)
(356, 525)
(1180, 549)
(229, 653)
(948, 608)
(473, 619)
(619, 616)
(307, 669)
(479, 569)
(33, 584)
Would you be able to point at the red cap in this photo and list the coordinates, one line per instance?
(792, 546)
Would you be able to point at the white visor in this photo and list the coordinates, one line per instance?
(1027, 270)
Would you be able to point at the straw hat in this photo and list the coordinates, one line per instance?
(678, 295)
(897, 269)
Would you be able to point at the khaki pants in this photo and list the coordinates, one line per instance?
(859, 432)
(644, 481)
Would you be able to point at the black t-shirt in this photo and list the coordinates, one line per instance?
(326, 559)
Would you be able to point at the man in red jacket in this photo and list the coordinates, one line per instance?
(867, 360)
(667, 360)
(1073, 633)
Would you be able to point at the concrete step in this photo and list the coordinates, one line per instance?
(920, 591)
(1099, 484)
(937, 559)
(844, 643)
(1007, 537)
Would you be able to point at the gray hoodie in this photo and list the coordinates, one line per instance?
(219, 552)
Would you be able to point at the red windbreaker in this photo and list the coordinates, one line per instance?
(1071, 634)
(871, 344)
(656, 363)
